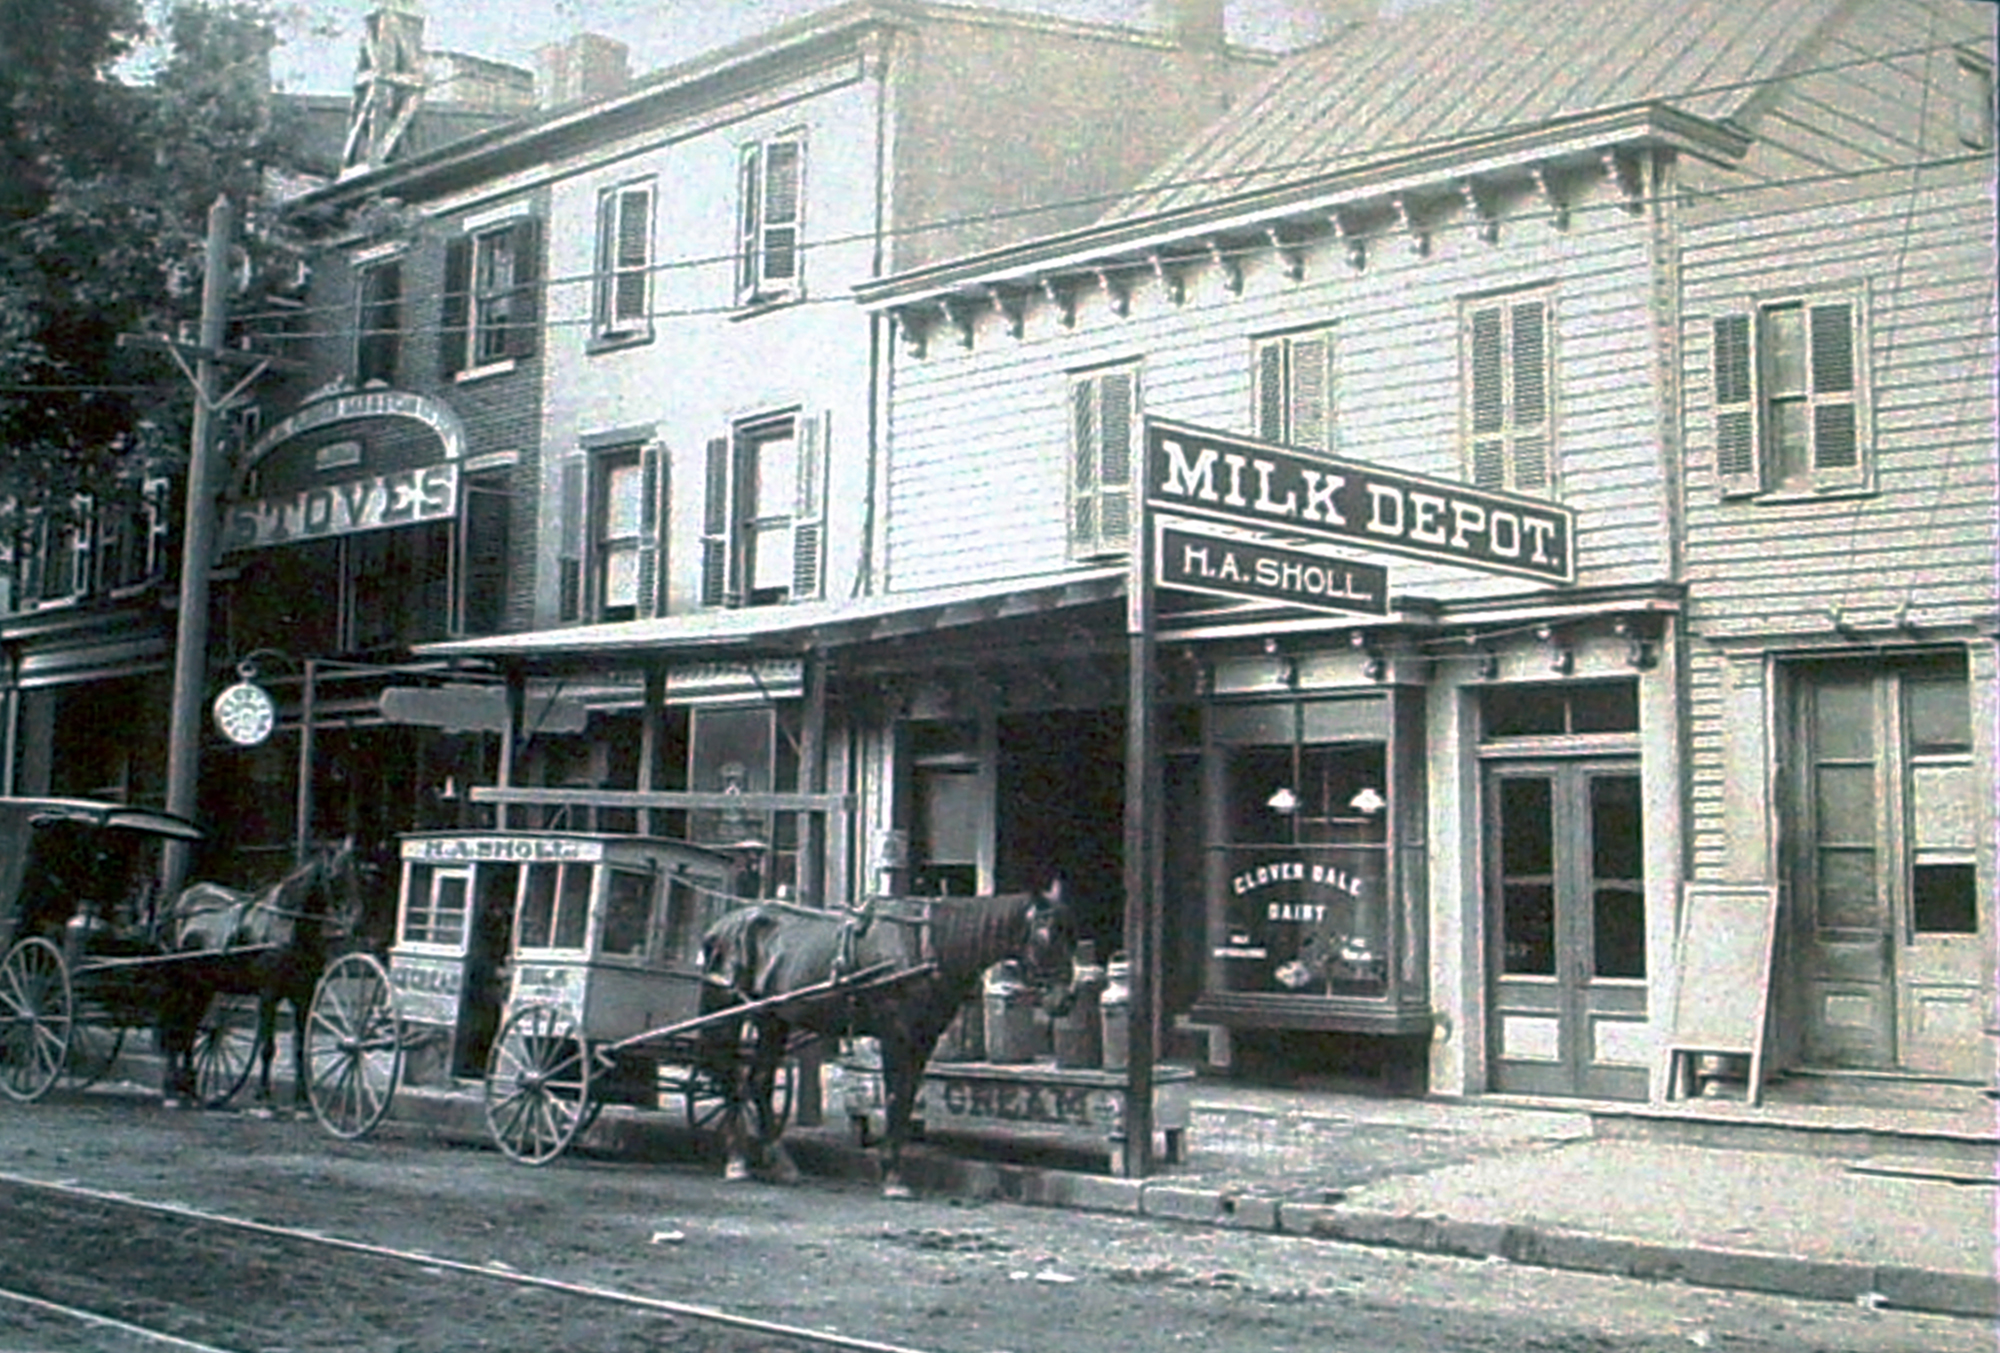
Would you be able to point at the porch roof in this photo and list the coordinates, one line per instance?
(791, 630)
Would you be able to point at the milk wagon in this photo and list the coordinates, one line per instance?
(503, 939)
(87, 950)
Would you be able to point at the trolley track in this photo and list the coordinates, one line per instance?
(164, 1276)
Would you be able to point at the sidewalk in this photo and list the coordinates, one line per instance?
(1883, 1207)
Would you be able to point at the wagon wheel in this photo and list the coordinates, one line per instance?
(35, 1019)
(354, 1046)
(537, 1084)
(225, 1050)
(96, 1037)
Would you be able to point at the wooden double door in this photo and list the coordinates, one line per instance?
(1566, 912)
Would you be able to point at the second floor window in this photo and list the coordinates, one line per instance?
(1104, 420)
(1294, 397)
(379, 341)
(491, 292)
(611, 534)
(87, 547)
(1788, 396)
(763, 516)
(768, 218)
(1509, 371)
(624, 262)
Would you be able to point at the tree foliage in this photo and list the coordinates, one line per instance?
(105, 186)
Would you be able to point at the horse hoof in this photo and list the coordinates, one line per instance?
(264, 1111)
(736, 1172)
(898, 1192)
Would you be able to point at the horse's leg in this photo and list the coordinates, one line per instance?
(301, 1001)
(902, 1074)
(727, 1063)
(267, 1042)
(772, 1039)
(176, 1051)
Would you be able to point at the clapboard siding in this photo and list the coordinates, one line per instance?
(1001, 406)
(1708, 674)
(1925, 537)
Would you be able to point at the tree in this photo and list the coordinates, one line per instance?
(105, 185)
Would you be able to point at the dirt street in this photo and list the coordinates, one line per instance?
(930, 1274)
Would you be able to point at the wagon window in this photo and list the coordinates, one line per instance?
(538, 907)
(435, 911)
(628, 912)
(573, 910)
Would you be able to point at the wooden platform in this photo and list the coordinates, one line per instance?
(1038, 1100)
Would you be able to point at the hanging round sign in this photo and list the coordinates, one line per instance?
(245, 714)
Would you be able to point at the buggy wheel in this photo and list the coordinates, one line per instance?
(94, 1045)
(36, 1005)
(354, 1046)
(225, 1050)
(537, 1084)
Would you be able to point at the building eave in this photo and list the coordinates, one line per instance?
(1512, 152)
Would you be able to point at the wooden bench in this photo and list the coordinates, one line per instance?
(1035, 1101)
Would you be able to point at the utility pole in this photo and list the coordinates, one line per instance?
(198, 523)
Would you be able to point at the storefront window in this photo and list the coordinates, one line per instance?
(1305, 852)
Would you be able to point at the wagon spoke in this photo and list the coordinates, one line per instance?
(354, 1046)
(35, 1043)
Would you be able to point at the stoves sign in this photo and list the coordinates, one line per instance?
(1194, 472)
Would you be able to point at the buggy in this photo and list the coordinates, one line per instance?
(87, 956)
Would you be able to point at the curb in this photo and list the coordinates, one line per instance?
(821, 1152)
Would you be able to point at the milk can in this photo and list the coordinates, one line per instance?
(1079, 1035)
(1010, 1014)
(964, 1039)
(1116, 1004)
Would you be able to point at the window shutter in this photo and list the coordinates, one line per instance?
(1271, 390)
(1835, 445)
(569, 571)
(780, 254)
(750, 213)
(1311, 392)
(1489, 398)
(457, 305)
(483, 555)
(1737, 466)
(381, 323)
(715, 526)
(524, 311)
(652, 502)
(635, 233)
(809, 508)
(1115, 467)
(1101, 464)
(1531, 397)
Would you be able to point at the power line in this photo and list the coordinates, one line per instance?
(1371, 236)
(1154, 189)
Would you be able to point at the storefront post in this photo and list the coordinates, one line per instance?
(1143, 808)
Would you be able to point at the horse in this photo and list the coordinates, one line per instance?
(765, 950)
(295, 923)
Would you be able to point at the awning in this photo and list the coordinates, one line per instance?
(789, 630)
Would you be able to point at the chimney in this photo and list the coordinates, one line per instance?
(1323, 20)
(388, 85)
(1197, 25)
(588, 66)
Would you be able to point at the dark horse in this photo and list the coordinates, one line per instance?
(293, 925)
(768, 949)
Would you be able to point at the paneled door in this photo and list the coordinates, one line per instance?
(1884, 828)
(1566, 910)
